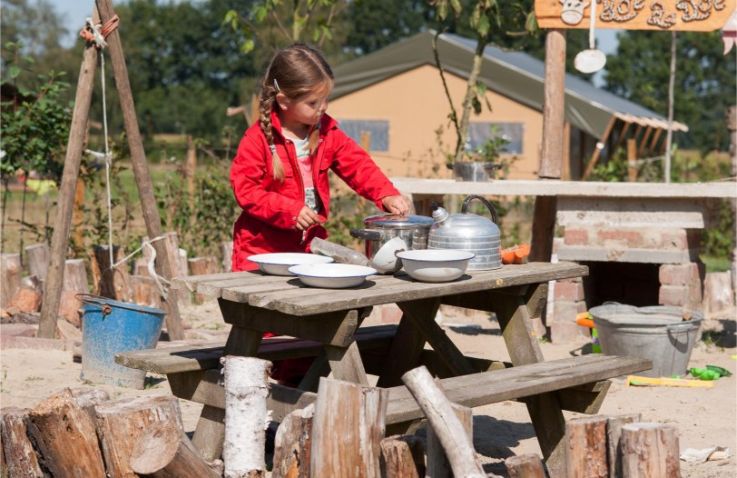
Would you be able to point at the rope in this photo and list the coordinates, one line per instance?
(97, 33)
(150, 265)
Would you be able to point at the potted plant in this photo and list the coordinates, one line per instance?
(482, 163)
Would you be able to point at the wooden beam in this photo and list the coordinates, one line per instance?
(643, 141)
(622, 135)
(654, 140)
(67, 189)
(140, 167)
(597, 152)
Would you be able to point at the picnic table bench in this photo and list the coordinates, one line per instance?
(326, 324)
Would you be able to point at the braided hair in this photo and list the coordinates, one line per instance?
(294, 71)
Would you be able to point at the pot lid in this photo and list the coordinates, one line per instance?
(396, 221)
(467, 226)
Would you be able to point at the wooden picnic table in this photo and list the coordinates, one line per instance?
(254, 303)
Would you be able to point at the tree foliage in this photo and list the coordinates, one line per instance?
(705, 81)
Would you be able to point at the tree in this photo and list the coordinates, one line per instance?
(375, 24)
(705, 81)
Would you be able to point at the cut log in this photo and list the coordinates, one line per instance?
(227, 256)
(114, 284)
(75, 282)
(65, 437)
(37, 258)
(27, 299)
(144, 291)
(200, 266)
(446, 425)
(164, 451)
(10, 275)
(438, 465)
(347, 430)
(586, 454)
(650, 450)
(525, 466)
(88, 398)
(403, 457)
(246, 389)
(121, 424)
(292, 445)
(614, 433)
(20, 458)
(140, 267)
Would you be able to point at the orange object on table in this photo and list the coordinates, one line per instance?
(516, 254)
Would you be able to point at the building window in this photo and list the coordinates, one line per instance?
(480, 132)
(378, 129)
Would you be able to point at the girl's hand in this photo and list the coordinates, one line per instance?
(306, 218)
(396, 205)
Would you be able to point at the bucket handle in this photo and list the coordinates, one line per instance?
(94, 299)
(682, 327)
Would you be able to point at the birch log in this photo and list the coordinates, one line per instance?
(650, 450)
(246, 389)
(586, 453)
(164, 451)
(64, 434)
(403, 457)
(20, 458)
(449, 430)
(292, 444)
(438, 465)
(122, 423)
(347, 431)
(614, 434)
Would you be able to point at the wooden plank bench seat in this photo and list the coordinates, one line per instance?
(180, 359)
(471, 390)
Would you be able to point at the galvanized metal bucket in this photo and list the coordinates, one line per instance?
(110, 327)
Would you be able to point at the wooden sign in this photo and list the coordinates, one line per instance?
(678, 15)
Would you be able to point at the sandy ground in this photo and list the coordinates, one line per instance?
(704, 417)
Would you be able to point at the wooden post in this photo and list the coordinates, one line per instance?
(614, 434)
(347, 430)
(448, 428)
(525, 466)
(121, 424)
(403, 457)
(292, 444)
(246, 389)
(10, 275)
(551, 159)
(77, 212)
(138, 160)
(586, 454)
(190, 169)
(631, 160)
(438, 465)
(650, 450)
(17, 450)
(65, 436)
(732, 127)
(65, 198)
(164, 451)
(37, 257)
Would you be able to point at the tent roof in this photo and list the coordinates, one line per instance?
(513, 74)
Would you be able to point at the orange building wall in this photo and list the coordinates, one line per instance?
(415, 106)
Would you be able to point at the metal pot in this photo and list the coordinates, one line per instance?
(380, 229)
(468, 232)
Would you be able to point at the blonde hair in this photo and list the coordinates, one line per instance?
(295, 71)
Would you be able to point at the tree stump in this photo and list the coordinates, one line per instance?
(164, 451)
(586, 453)
(75, 282)
(292, 445)
(37, 258)
(246, 389)
(20, 458)
(525, 466)
(403, 457)
(227, 248)
(614, 434)
(10, 275)
(347, 430)
(64, 434)
(144, 291)
(650, 450)
(121, 424)
(114, 284)
(201, 266)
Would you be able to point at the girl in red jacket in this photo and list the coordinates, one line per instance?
(280, 172)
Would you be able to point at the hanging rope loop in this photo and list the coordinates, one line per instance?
(97, 33)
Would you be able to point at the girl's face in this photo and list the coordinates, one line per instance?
(307, 109)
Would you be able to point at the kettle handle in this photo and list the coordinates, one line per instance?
(489, 206)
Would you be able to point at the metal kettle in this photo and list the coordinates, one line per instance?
(469, 232)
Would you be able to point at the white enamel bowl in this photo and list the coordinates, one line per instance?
(332, 276)
(435, 265)
(278, 263)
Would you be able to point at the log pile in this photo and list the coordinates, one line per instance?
(78, 432)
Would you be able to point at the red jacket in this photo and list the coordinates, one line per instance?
(270, 207)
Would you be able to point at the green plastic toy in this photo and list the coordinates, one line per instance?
(710, 372)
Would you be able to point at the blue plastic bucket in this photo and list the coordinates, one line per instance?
(110, 327)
